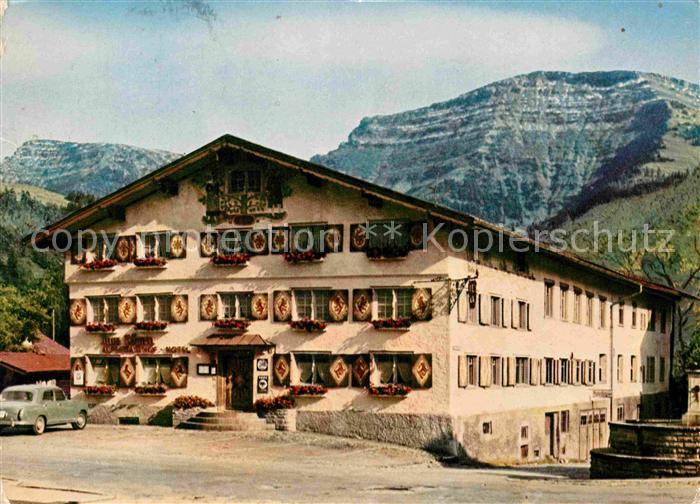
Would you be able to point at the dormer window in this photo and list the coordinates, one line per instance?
(245, 181)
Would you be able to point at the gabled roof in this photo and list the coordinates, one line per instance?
(45, 355)
(190, 163)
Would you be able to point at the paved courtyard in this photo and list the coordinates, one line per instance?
(125, 464)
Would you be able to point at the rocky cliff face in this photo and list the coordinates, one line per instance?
(98, 168)
(528, 148)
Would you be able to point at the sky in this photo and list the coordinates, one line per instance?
(298, 77)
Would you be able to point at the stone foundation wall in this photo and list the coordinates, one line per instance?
(283, 419)
(121, 413)
(429, 432)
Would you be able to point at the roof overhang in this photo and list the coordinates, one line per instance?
(222, 340)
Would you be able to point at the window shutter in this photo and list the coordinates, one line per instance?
(484, 310)
(484, 371)
(461, 371)
(78, 311)
(506, 311)
(543, 371)
(511, 371)
(557, 371)
(513, 321)
(422, 370)
(572, 371)
(177, 248)
(534, 372)
(584, 370)
(529, 326)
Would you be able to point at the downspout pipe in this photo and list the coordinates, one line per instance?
(612, 364)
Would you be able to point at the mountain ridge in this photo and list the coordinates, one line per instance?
(520, 150)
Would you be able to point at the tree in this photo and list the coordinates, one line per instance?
(22, 316)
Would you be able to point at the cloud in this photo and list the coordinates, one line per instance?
(373, 35)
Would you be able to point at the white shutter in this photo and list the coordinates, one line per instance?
(484, 310)
(543, 371)
(484, 371)
(534, 371)
(462, 371)
(511, 371)
(513, 319)
(529, 326)
(506, 309)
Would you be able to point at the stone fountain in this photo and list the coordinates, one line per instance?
(656, 448)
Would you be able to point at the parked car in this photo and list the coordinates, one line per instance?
(38, 406)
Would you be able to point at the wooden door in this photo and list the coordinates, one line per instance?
(551, 430)
(239, 382)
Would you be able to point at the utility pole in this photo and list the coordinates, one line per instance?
(53, 324)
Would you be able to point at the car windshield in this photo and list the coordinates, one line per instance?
(16, 395)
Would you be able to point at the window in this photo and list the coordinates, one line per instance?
(564, 302)
(522, 370)
(652, 320)
(564, 419)
(105, 370)
(548, 298)
(662, 369)
(236, 305)
(577, 305)
(232, 241)
(522, 316)
(496, 371)
(245, 181)
(313, 368)
(487, 428)
(620, 368)
(603, 368)
(155, 307)
(496, 311)
(155, 370)
(472, 312)
(59, 395)
(311, 304)
(590, 373)
(603, 312)
(663, 322)
(620, 412)
(550, 371)
(634, 315)
(524, 432)
(589, 309)
(104, 247)
(633, 368)
(472, 370)
(105, 310)
(308, 237)
(155, 244)
(389, 235)
(394, 368)
(47, 395)
(643, 320)
(578, 373)
(393, 303)
(564, 371)
(651, 369)
(621, 314)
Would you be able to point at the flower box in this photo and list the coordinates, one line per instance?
(151, 326)
(304, 257)
(308, 325)
(192, 401)
(100, 390)
(266, 405)
(399, 391)
(99, 265)
(99, 328)
(397, 324)
(150, 262)
(307, 390)
(155, 389)
(232, 324)
(230, 260)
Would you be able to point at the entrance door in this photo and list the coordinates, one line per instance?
(593, 431)
(239, 381)
(551, 430)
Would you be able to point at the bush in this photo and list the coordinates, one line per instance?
(192, 401)
(264, 406)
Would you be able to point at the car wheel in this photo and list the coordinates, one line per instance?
(39, 425)
(80, 422)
